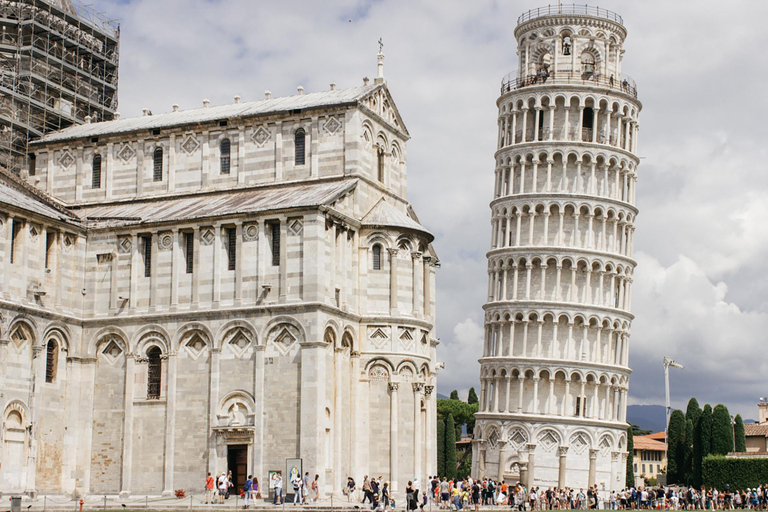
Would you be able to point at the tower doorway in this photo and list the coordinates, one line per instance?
(237, 462)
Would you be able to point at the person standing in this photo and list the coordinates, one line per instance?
(223, 485)
(296, 481)
(209, 489)
(247, 490)
(255, 490)
(316, 488)
(367, 491)
(278, 489)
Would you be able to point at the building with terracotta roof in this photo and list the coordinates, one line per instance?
(650, 457)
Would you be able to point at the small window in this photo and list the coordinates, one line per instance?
(189, 253)
(380, 164)
(225, 148)
(147, 241)
(300, 146)
(275, 244)
(157, 161)
(50, 241)
(377, 257)
(231, 248)
(96, 172)
(15, 230)
(154, 373)
(337, 297)
(32, 164)
(578, 405)
(51, 361)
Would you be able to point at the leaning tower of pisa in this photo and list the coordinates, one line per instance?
(554, 368)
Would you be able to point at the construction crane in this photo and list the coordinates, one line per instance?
(667, 363)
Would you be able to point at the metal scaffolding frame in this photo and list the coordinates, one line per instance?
(58, 66)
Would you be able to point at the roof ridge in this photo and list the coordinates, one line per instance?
(22, 186)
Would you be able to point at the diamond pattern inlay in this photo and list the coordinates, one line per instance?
(190, 144)
(66, 159)
(260, 136)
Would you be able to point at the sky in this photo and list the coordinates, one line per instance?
(699, 295)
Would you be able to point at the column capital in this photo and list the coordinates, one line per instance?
(593, 454)
(418, 387)
(392, 251)
(394, 386)
(415, 255)
(428, 390)
(562, 451)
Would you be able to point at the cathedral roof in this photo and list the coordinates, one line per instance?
(218, 204)
(19, 194)
(210, 114)
(385, 215)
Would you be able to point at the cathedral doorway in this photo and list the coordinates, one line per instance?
(237, 462)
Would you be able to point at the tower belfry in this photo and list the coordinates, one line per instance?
(554, 368)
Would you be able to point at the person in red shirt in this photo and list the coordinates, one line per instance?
(209, 489)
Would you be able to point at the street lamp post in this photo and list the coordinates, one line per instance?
(667, 363)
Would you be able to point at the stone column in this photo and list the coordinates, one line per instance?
(216, 245)
(531, 464)
(175, 268)
(418, 439)
(133, 299)
(562, 452)
(502, 460)
(431, 431)
(258, 397)
(239, 262)
(170, 425)
(506, 406)
(415, 307)
(312, 406)
(353, 399)
(196, 266)
(213, 403)
(130, 370)
(393, 451)
(521, 381)
(592, 467)
(392, 281)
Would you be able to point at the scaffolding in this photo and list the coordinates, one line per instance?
(58, 67)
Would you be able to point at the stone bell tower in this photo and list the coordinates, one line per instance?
(554, 368)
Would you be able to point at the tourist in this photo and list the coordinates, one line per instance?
(316, 488)
(247, 490)
(456, 497)
(230, 484)
(351, 489)
(223, 486)
(445, 494)
(385, 495)
(296, 481)
(305, 489)
(476, 496)
(209, 489)
(278, 489)
(367, 491)
(410, 496)
(256, 494)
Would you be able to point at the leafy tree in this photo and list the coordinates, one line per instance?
(676, 446)
(440, 447)
(741, 439)
(463, 413)
(630, 480)
(722, 433)
(450, 448)
(687, 473)
(455, 395)
(636, 430)
(472, 397)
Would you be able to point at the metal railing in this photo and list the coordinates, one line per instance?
(574, 9)
(623, 84)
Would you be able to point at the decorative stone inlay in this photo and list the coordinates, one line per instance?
(493, 438)
(579, 443)
(124, 244)
(111, 352)
(283, 337)
(66, 159)
(406, 374)
(69, 241)
(20, 335)
(34, 230)
(190, 144)
(548, 440)
(195, 344)
(378, 373)
(332, 125)
(517, 438)
(406, 334)
(295, 227)
(125, 153)
(165, 241)
(261, 136)
(207, 237)
(250, 232)
(239, 342)
(104, 257)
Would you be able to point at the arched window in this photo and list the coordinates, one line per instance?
(566, 45)
(377, 257)
(154, 373)
(157, 160)
(51, 361)
(380, 164)
(587, 63)
(299, 139)
(225, 148)
(96, 168)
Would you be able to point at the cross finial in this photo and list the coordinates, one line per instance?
(381, 46)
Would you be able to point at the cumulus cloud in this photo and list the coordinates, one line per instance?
(699, 292)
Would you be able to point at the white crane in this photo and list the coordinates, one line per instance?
(667, 363)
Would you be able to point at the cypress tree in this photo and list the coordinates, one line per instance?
(676, 444)
(693, 411)
(706, 431)
(472, 396)
(630, 480)
(697, 452)
(687, 473)
(440, 447)
(722, 432)
(455, 395)
(741, 438)
(450, 448)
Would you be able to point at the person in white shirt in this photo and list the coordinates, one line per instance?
(223, 485)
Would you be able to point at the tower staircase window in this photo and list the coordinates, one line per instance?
(225, 148)
(300, 146)
(96, 170)
(154, 372)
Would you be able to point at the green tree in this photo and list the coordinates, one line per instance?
(455, 395)
(706, 431)
(693, 411)
(472, 397)
(722, 432)
(630, 480)
(676, 446)
(687, 473)
(450, 448)
(741, 439)
(440, 447)
(463, 413)
(696, 453)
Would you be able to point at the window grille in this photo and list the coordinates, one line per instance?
(96, 168)
(50, 361)
(15, 230)
(147, 255)
(376, 257)
(225, 148)
(231, 248)
(300, 143)
(275, 244)
(157, 160)
(189, 242)
(380, 164)
(154, 373)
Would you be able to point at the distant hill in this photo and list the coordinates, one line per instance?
(647, 417)
(441, 396)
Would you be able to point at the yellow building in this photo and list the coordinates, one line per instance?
(650, 458)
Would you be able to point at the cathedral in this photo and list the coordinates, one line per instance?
(219, 288)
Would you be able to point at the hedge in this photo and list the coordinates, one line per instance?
(717, 471)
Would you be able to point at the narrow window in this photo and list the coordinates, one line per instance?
(225, 148)
(50, 361)
(189, 254)
(380, 164)
(154, 372)
(300, 146)
(377, 257)
(275, 244)
(50, 241)
(15, 230)
(231, 248)
(578, 405)
(147, 240)
(337, 297)
(96, 169)
(32, 164)
(157, 161)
